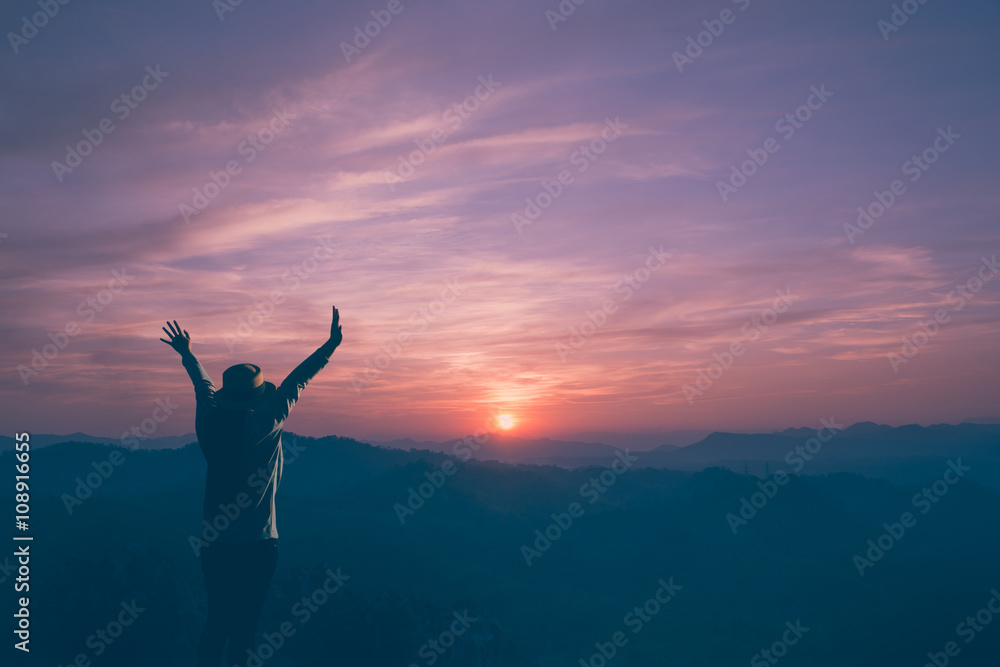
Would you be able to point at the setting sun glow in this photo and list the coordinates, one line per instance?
(505, 421)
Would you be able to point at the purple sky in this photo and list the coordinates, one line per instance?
(328, 184)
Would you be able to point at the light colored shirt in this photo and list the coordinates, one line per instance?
(243, 451)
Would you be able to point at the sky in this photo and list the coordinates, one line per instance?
(607, 216)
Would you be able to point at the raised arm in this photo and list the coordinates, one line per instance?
(275, 409)
(180, 340)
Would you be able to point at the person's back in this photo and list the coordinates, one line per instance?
(242, 477)
(241, 442)
(239, 431)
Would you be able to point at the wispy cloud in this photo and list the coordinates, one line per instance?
(494, 346)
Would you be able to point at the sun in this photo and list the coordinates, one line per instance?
(505, 421)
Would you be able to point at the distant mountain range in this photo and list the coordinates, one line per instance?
(512, 449)
(588, 444)
(547, 588)
(46, 439)
(905, 454)
(864, 447)
(641, 441)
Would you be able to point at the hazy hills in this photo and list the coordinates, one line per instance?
(46, 439)
(463, 547)
(508, 448)
(861, 443)
(905, 454)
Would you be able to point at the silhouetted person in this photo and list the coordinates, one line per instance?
(239, 432)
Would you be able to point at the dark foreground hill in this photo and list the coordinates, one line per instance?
(556, 565)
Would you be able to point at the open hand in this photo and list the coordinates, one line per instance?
(336, 336)
(180, 340)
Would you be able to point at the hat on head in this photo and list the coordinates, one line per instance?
(243, 387)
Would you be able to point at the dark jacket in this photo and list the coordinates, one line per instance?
(243, 451)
